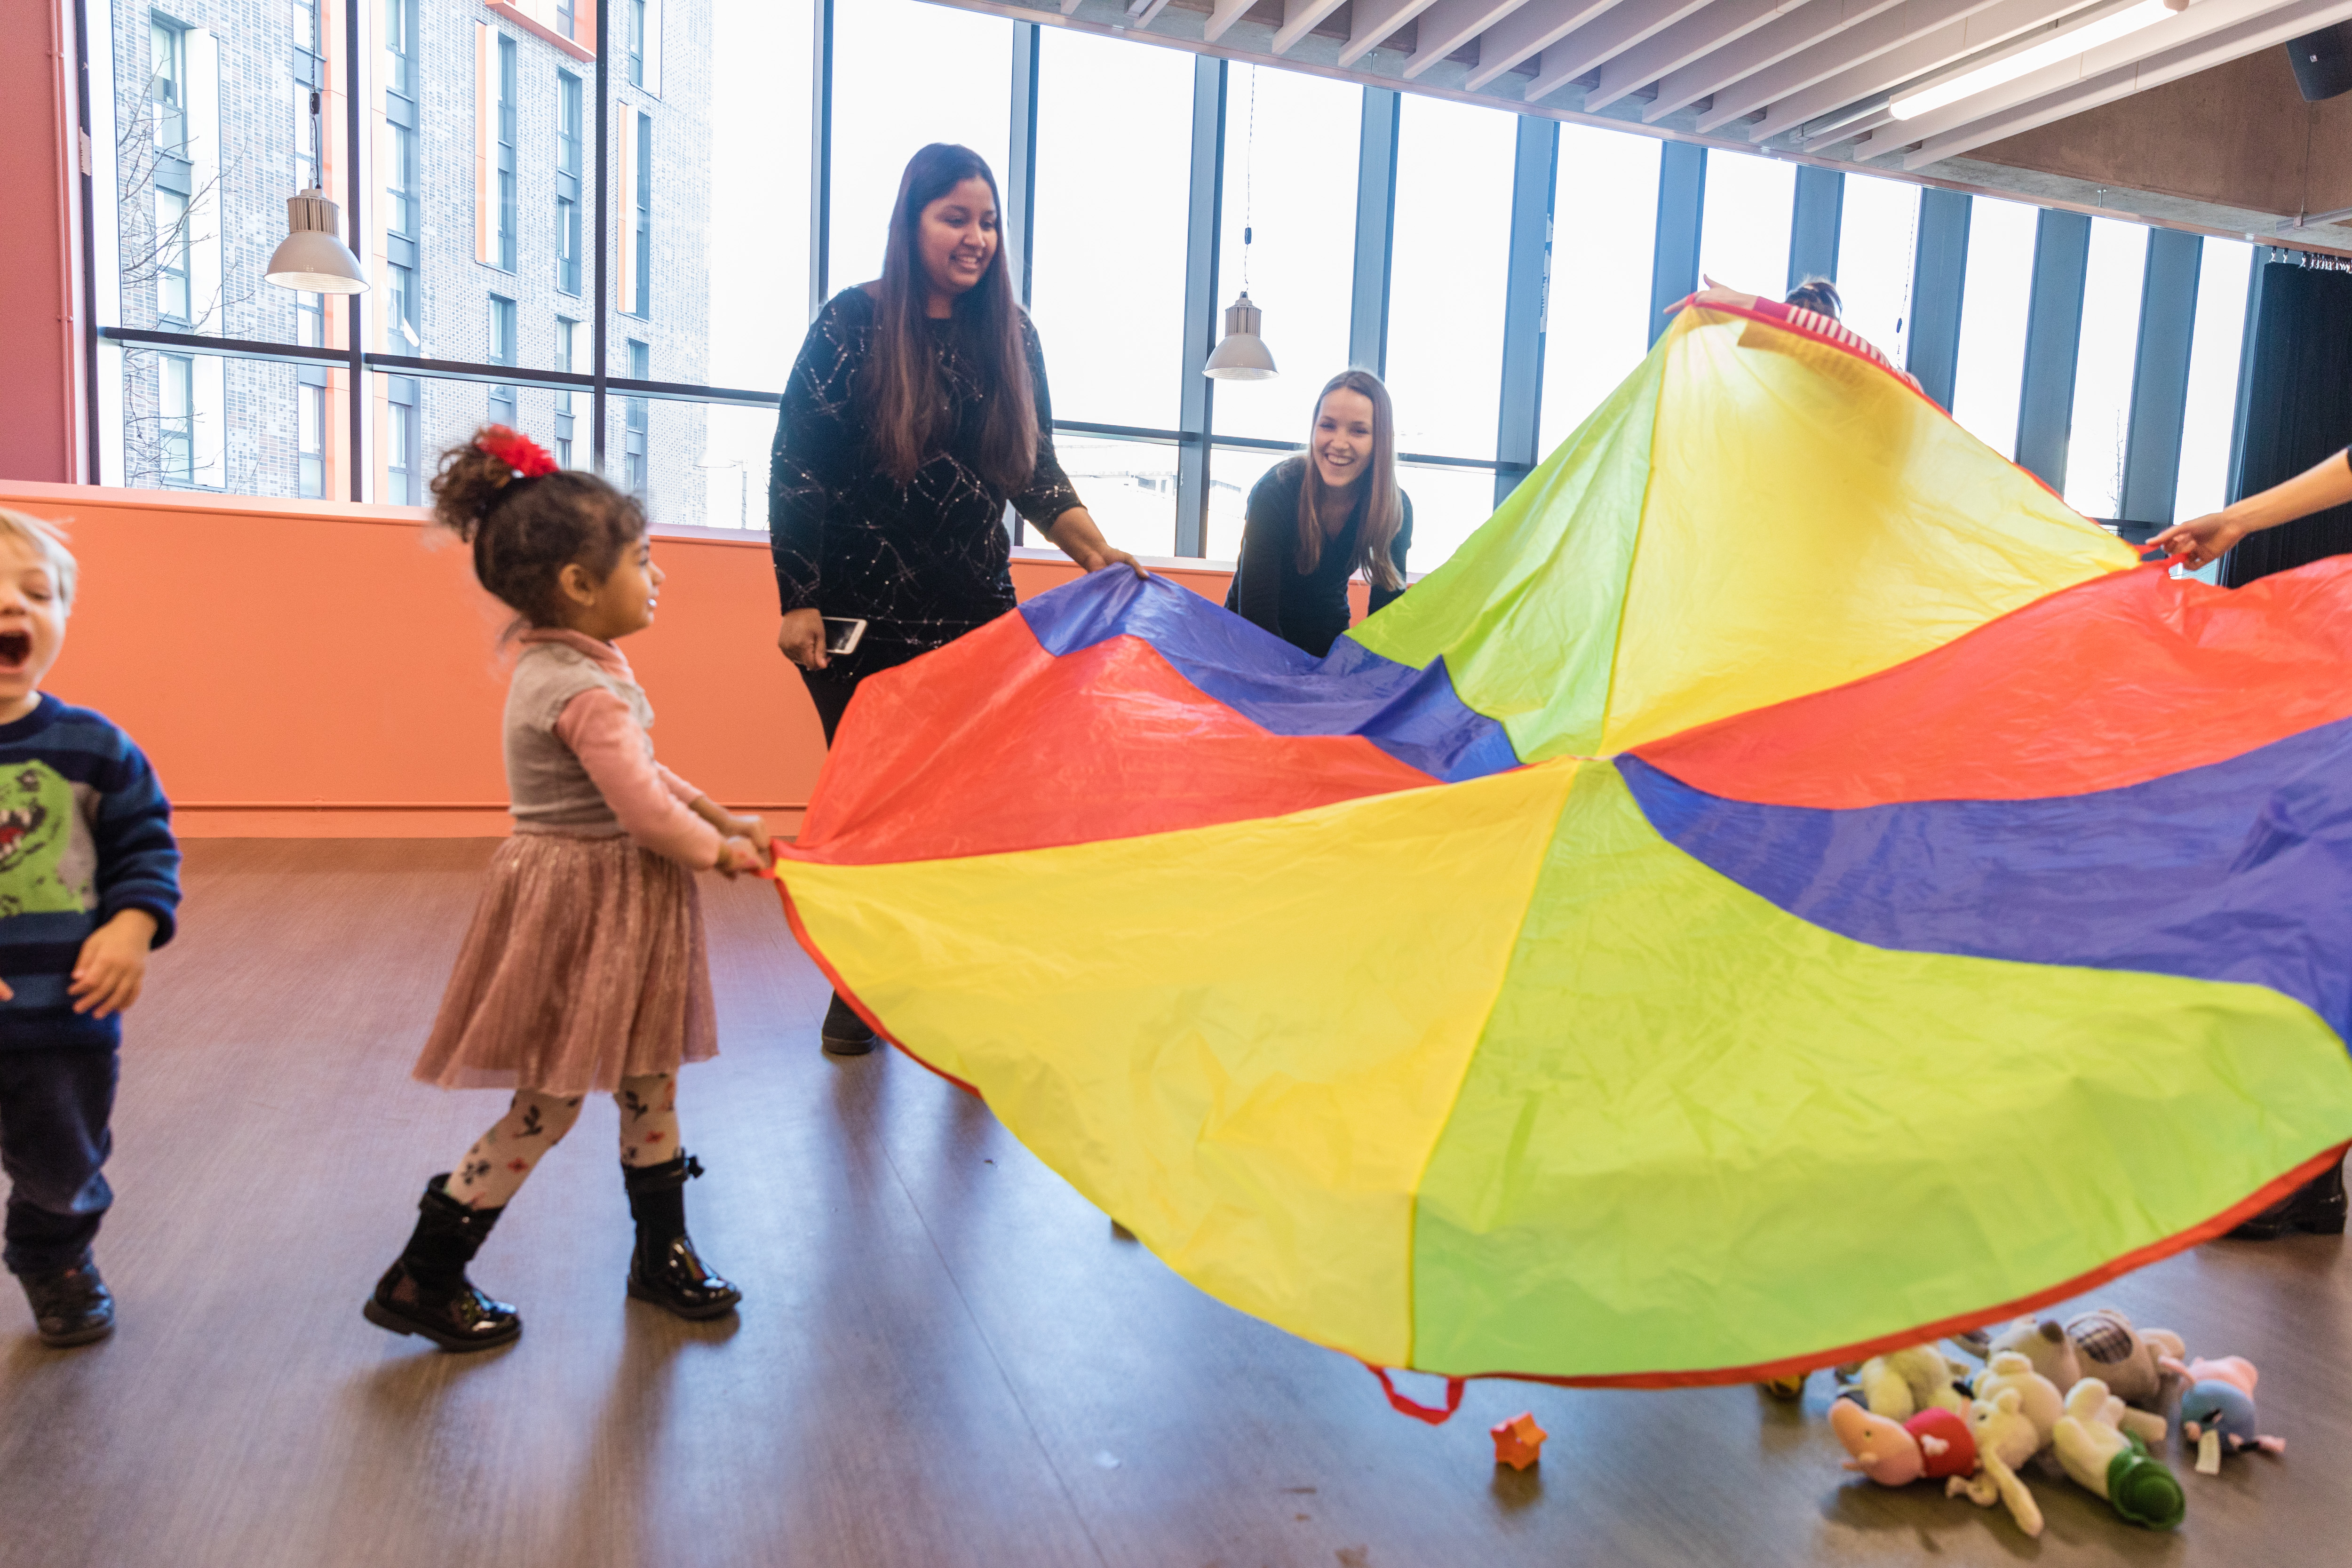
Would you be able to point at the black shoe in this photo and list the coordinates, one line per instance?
(71, 1307)
(663, 1269)
(426, 1291)
(2317, 1207)
(844, 1033)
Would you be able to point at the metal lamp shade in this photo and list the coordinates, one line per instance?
(1241, 356)
(311, 257)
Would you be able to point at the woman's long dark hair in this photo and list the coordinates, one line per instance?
(900, 388)
(1376, 492)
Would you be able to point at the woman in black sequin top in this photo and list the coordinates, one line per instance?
(917, 409)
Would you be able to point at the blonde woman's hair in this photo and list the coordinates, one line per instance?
(1384, 512)
(48, 540)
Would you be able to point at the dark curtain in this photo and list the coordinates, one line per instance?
(2300, 411)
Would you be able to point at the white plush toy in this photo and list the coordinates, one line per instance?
(1901, 1383)
(2037, 1397)
(2006, 1437)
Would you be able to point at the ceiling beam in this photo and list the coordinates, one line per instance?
(1371, 23)
(2210, 33)
(1450, 24)
(1530, 31)
(1298, 19)
(1669, 53)
(1782, 37)
(1981, 27)
(1223, 15)
(1609, 35)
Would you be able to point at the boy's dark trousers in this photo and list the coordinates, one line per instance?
(54, 1105)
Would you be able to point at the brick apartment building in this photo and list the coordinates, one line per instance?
(482, 163)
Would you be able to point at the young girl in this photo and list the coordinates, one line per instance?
(584, 969)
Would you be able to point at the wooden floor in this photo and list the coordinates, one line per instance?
(944, 1357)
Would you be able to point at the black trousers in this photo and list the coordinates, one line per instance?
(54, 1106)
(831, 693)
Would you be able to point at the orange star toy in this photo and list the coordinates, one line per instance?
(1518, 1442)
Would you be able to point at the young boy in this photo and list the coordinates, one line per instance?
(89, 879)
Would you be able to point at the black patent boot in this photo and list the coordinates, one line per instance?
(844, 1033)
(664, 1270)
(426, 1291)
(71, 1307)
(2316, 1206)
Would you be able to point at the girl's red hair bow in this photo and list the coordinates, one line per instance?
(526, 456)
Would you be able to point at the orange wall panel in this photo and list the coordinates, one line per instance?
(307, 668)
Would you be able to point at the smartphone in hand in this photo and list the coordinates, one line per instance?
(842, 633)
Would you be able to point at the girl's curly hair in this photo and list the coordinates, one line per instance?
(525, 531)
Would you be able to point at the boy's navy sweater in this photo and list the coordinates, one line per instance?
(85, 833)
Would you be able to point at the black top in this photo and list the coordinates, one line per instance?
(922, 562)
(1309, 609)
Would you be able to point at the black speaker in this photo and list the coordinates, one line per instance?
(2323, 62)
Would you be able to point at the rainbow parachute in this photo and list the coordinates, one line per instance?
(1787, 886)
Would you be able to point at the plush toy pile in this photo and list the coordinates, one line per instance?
(2084, 1399)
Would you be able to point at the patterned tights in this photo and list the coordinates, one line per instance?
(495, 1167)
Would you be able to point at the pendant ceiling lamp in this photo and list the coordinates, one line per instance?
(312, 256)
(1241, 354)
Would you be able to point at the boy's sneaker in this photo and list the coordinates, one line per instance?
(2317, 1207)
(72, 1307)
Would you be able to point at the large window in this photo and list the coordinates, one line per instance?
(1878, 247)
(2103, 368)
(470, 317)
(2223, 272)
(1290, 187)
(1449, 265)
(1603, 233)
(1112, 118)
(1744, 225)
(905, 74)
(1995, 301)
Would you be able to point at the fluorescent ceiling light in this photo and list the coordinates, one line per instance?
(2009, 67)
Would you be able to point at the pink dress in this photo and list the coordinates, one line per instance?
(586, 962)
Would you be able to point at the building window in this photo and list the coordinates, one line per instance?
(400, 287)
(634, 417)
(404, 456)
(637, 43)
(567, 340)
(567, 182)
(644, 304)
(400, 45)
(507, 95)
(502, 352)
(564, 23)
(172, 258)
(176, 422)
(167, 86)
(402, 186)
(310, 320)
(311, 431)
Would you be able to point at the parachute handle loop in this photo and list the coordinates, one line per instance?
(1419, 1412)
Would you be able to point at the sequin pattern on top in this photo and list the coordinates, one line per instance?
(923, 563)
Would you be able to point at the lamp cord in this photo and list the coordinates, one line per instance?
(1249, 179)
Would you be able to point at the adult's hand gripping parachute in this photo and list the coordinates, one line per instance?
(1787, 886)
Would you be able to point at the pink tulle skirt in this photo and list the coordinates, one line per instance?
(584, 966)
